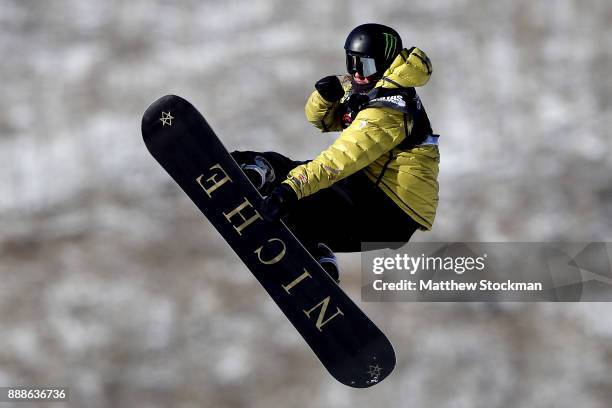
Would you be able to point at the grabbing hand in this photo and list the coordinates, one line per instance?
(278, 203)
(330, 88)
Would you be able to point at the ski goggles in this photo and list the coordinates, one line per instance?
(365, 66)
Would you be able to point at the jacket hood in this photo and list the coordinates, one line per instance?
(411, 68)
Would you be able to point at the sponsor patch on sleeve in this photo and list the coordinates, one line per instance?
(333, 171)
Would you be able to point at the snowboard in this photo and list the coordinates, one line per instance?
(348, 344)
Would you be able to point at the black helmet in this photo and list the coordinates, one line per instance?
(371, 48)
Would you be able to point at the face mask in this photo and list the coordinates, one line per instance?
(362, 88)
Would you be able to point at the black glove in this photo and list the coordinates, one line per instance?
(330, 88)
(280, 201)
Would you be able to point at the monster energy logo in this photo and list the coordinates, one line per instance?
(390, 44)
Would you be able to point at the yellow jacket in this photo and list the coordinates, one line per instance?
(410, 178)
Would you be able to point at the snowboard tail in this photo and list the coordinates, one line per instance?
(345, 340)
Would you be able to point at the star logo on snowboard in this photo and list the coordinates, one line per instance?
(374, 371)
(166, 118)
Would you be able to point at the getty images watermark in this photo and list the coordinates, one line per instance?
(498, 271)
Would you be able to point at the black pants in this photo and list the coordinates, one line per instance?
(349, 212)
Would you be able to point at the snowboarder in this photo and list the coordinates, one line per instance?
(378, 181)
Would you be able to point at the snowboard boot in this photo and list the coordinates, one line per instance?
(260, 172)
(326, 258)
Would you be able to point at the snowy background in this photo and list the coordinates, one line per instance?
(112, 284)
